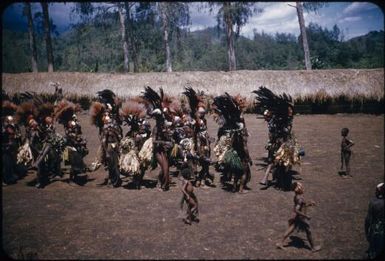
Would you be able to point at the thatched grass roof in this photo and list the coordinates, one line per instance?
(349, 82)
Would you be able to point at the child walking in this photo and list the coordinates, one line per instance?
(300, 218)
(189, 197)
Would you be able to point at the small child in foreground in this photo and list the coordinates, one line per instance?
(189, 197)
(300, 218)
(346, 144)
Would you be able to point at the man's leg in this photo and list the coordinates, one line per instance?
(310, 238)
(286, 235)
(266, 176)
(347, 164)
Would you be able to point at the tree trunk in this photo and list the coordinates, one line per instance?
(47, 35)
(124, 38)
(229, 37)
(165, 36)
(132, 41)
(32, 41)
(305, 45)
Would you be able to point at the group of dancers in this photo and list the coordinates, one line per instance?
(179, 138)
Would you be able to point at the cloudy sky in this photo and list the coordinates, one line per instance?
(353, 18)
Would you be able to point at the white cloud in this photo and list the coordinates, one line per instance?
(276, 17)
(358, 7)
(350, 19)
(201, 17)
(197, 27)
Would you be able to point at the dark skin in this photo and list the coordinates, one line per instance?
(191, 201)
(160, 150)
(346, 144)
(299, 211)
(201, 124)
(240, 145)
(111, 135)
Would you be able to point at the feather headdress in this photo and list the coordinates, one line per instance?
(277, 104)
(22, 97)
(176, 108)
(44, 110)
(133, 112)
(107, 96)
(65, 110)
(25, 112)
(4, 95)
(152, 99)
(97, 110)
(195, 100)
(226, 106)
(8, 108)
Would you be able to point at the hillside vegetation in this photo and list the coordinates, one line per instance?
(97, 48)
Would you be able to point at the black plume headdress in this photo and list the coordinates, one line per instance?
(277, 104)
(8, 108)
(4, 95)
(195, 100)
(106, 96)
(230, 111)
(22, 97)
(153, 99)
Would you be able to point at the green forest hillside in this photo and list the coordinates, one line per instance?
(93, 47)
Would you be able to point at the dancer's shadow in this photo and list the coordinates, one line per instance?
(295, 175)
(79, 180)
(227, 186)
(31, 183)
(297, 242)
(147, 183)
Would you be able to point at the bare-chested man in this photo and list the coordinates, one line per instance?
(300, 218)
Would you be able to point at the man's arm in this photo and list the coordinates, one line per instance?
(350, 144)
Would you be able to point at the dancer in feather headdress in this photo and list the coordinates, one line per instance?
(231, 148)
(76, 149)
(157, 107)
(49, 158)
(283, 148)
(10, 142)
(133, 113)
(26, 115)
(183, 154)
(107, 120)
(45, 145)
(112, 104)
(107, 106)
(241, 104)
(201, 136)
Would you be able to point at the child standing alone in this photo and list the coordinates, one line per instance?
(346, 152)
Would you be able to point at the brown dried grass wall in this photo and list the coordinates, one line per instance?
(334, 83)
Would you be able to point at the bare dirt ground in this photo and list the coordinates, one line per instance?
(68, 221)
